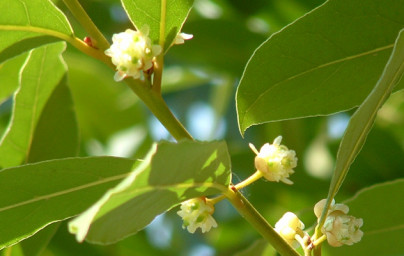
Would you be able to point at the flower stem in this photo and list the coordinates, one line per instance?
(317, 250)
(244, 207)
(320, 240)
(256, 176)
(82, 17)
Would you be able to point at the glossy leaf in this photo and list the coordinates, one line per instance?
(36, 245)
(381, 208)
(362, 121)
(26, 24)
(9, 71)
(50, 191)
(325, 62)
(42, 72)
(150, 13)
(170, 174)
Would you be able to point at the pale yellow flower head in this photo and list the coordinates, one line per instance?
(275, 161)
(339, 227)
(197, 213)
(132, 52)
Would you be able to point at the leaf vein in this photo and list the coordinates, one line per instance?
(380, 49)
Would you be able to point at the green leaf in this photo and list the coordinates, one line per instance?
(362, 120)
(56, 133)
(35, 195)
(170, 174)
(325, 62)
(41, 73)
(9, 71)
(103, 107)
(35, 245)
(56, 136)
(150, 13)
(26, 24)
(381, 207)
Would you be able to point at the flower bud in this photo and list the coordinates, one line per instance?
(132, 52)
(318, 208)
(181, 37)
(339, 227)
(275, 161)
(197, 213)
(288, 227)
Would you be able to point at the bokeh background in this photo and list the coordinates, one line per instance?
(199, 84)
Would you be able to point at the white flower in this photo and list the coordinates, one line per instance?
(275, 161)
(339, 227)
(132, 52)
(181, 37)
(288, 227)
(197, 213)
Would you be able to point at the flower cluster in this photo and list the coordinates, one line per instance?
(288, 227)
(132, 52)
(275, 161)
(339, 227)
(197, 213)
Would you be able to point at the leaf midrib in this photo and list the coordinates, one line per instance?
(63, 192)
(115, 178)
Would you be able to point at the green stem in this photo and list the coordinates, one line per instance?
(158, 69)
(71, 39)
(317, 250)
(155, 102)
(244, 207)
(82, 17)
(253, 178)
(256, 176)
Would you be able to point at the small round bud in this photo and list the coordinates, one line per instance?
(181, 37)
(288, 227)
(318, 208)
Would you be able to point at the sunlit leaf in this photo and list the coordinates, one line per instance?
(170, 174)
(150, 13)
(325, 62)
(381, 208)
(26, 24)
(42, 72)
(35, 195)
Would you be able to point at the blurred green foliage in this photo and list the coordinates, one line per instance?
(198, 73)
